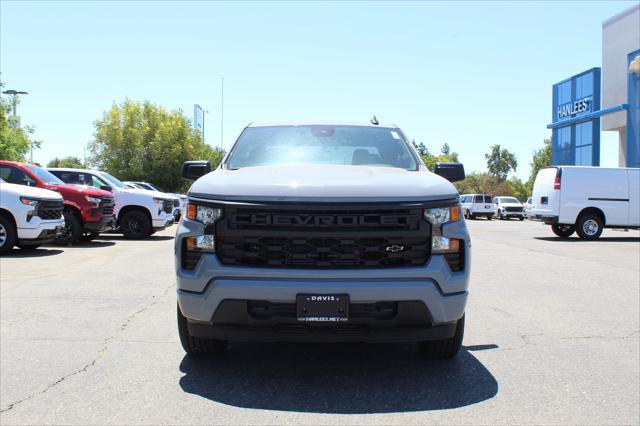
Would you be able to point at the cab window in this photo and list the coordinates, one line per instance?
(91, 180)
(11, 174)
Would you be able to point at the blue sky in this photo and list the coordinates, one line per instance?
(469, 74)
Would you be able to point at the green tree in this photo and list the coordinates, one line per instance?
(70, 162)
(541, 158)
(483, 183)
(144, 141)
(446, 156)
(15, 142)
(518, 189)
(500, 162)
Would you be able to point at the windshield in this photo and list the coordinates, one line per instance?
(145, 185)
(113, 180)
(315, 144)
(509, 200)
(44, 175)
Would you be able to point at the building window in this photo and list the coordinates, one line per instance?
(564, 93)
(583, 155)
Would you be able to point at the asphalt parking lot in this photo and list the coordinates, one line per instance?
(88, 336)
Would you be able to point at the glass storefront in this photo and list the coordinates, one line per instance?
(577, 142)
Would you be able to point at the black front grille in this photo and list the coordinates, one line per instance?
(513, 209)
(49, 210)
(340, 238)
(167, 206)
(106, 206)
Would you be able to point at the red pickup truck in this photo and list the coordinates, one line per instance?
(87, 211)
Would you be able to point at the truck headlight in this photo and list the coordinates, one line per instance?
(94, 200)
(204, 214)
(452, 249)
(440, 215)
(440, 244)
(33, 202)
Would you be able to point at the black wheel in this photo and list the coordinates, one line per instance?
(563, 231)
(7, 235)
(499, 215)
(72, 231)
(447, 348)
(489, 217)
(521, 218)
(29, 247)
(135, 224)
(195, 346)
(467, 215)
(589, 226)
(89, 236)
(472, 216)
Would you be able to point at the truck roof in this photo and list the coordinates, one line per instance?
(321, 123)
(72, 169)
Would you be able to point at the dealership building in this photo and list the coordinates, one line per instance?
(602, 99)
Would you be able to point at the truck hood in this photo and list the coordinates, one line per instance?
(65, 189)
(154, 194)
(29, 191)
(322, 183)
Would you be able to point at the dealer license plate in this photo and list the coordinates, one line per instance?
(322, 307)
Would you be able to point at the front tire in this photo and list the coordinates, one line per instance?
(135, 225)
(7, 235)
(72, 229)
(447, 348)
(563, 231)
(195, 346)
(589, 227)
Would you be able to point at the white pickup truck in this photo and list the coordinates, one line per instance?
(29, 216)
(139, 213)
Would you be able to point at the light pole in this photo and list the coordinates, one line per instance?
(14, 100)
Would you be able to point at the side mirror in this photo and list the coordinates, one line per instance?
(193, 170)
(452, 172)
(105, 188)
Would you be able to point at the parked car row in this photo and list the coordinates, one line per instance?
(39, 206)
(484, 205)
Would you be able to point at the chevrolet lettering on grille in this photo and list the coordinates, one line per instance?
(319, 220)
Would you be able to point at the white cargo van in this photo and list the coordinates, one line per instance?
(587, 199)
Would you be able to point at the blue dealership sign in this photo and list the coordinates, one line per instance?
(576, 130)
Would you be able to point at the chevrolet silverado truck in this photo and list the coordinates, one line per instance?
(87, 211)
(138, 213)
(29, 217)
(322, 232)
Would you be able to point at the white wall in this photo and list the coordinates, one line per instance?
(620, 36)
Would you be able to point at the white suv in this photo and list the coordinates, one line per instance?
(29, 216)
(139, 213)
(477, 205)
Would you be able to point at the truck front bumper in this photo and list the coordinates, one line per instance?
(107, 223)
(44, 232)
(163, 221)
(204, 292)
